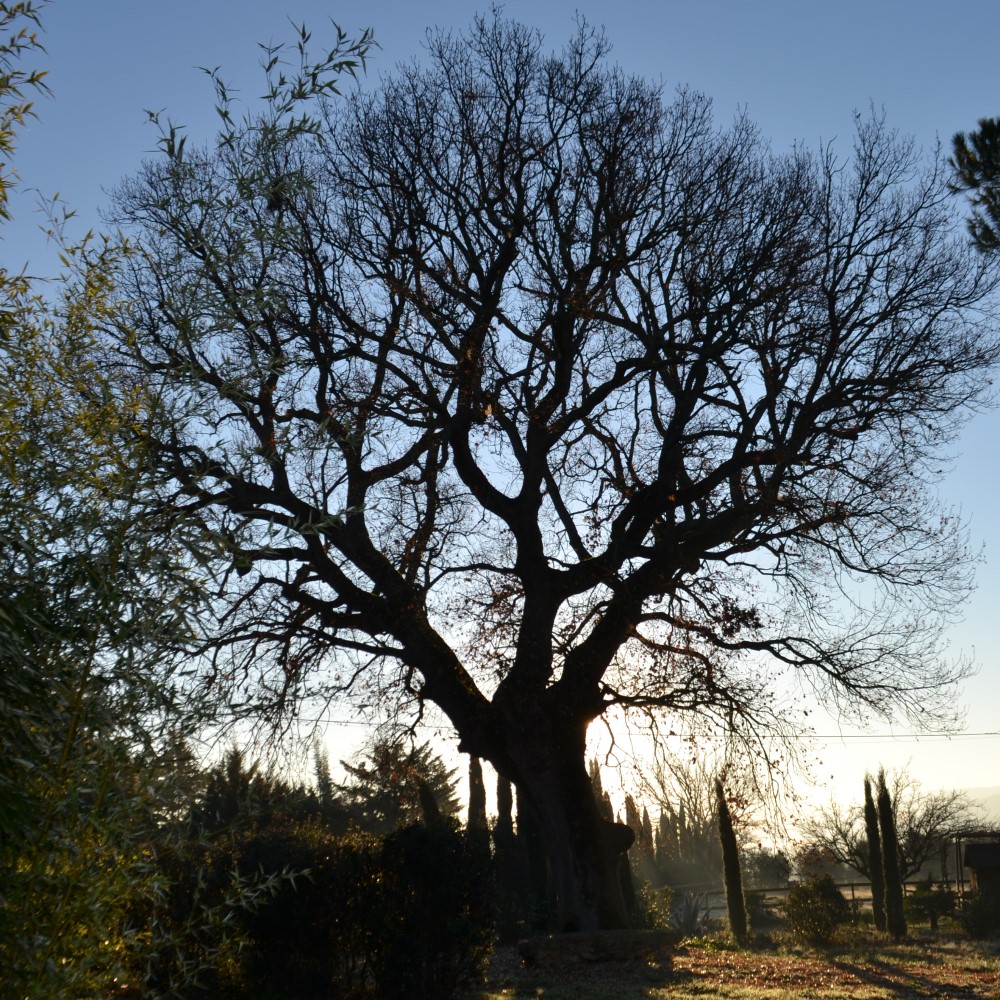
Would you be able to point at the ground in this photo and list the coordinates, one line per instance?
(861, 967)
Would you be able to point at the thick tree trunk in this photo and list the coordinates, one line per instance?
(584, 866)
(583, 848)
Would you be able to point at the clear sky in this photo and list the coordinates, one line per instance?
(801, 68)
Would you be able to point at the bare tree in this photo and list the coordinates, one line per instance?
(518, 387)
(924, 821)
(683, 791)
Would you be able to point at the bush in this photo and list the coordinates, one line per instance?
(436, 927)
(200, 926)
(929, 902)
(979, 914)
(291, 910)
(317, 930)
(653, 907)
(815, 909)
(762, 912)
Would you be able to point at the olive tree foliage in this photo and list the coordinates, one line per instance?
(95, 608)
(95, 602)
(521, 387)
(924, 821)
(20, 24)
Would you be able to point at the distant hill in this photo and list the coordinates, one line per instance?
(989, 799)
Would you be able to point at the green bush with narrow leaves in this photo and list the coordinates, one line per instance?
(316, 932)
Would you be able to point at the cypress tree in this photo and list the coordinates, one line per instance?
(647, 848)
(683, 836)
(477, 796)
(430, 811)
(895, 919)
(632, 819)
(668, 834)
(735, 903)
(875, 871)
(647, 832)
(511, 890)
(600, 795)
(324, 780)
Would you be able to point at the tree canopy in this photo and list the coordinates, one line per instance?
(975, 163)
(518, 386)
(382, 792)
(95, 604)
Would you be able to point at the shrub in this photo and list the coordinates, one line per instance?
(436, 926)
(930, 902)
(815, 909)
(290, 910)
(653, 907)
(762, 912)
(979, 914)
(190, 923)
(316, 932)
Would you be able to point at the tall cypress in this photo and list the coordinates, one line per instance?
(511, 890)
(601, 797)
(634, 823)
(477, 796)
(875, 871)
(895, 919)
(735, 903)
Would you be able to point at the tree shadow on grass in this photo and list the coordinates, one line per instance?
(908, 982)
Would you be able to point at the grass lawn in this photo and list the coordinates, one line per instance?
(864, 965)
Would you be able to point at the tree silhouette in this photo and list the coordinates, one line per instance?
(525, 381)
(874, 844)
(477, 797)
(735, 903)
(895, 917)
(383, 788)
(924, 822)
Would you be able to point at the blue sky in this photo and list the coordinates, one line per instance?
(801, 69)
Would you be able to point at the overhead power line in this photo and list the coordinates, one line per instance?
(836, 737)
